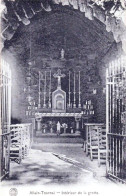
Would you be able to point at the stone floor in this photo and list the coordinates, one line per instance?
(43, 168)
(74, 151)
(58, 165)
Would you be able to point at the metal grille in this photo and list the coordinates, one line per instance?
(5, 108)
(116, 119)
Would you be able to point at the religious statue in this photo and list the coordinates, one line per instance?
(58, 128)
(62, 53)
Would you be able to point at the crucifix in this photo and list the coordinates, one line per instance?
(58, 75)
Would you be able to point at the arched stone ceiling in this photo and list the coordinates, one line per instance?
(65, 28)
(107, 12)
(82, 29)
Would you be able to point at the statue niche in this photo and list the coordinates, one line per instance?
(59, 96)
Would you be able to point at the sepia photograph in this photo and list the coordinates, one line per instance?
(62, 97)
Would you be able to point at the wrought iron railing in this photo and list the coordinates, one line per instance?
(5, 109)
(116, 119)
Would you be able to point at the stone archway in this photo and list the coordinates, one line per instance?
(20, 15)
(112, 14)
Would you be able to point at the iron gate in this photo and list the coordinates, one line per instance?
(5, 108)
(116, 119)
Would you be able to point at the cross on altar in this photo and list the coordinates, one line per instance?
(58, 75)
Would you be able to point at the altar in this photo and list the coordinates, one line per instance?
(59, 110)
(61, 105)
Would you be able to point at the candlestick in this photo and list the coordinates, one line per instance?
(74, 105)
(79, 105)
(45, 82)
(39, 99)
(74, 81)
(50, 92)
(44, 104)
(69, 90)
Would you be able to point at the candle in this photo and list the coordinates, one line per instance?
(50, 81)
(69, 88)
(69, 81)
(84, 106)
(39, 92)
(45, 82)
(74, 81)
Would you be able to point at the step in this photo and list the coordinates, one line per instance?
(58, 139)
